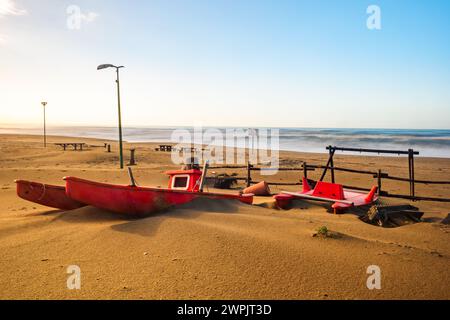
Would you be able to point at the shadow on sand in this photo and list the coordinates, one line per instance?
(148, 226)
(144, 226)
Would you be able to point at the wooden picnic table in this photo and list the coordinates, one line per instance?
(164, 147)
(170, 148)
(191, 150)
(75, 145)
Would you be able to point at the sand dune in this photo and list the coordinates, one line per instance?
(206, 249)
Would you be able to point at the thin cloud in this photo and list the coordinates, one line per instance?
(9, 8)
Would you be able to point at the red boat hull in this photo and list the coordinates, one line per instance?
(136, 201)
(47, 195)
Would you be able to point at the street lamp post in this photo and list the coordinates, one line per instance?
(104, 66)
(45, 133)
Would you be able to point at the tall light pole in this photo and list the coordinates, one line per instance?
(104, 66)
(45, 133)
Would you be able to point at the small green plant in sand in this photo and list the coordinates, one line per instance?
(322, 232)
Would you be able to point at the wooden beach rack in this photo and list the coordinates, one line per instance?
(377, 174)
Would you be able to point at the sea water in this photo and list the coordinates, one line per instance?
(430, 143)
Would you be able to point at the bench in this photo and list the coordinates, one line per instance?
(169, 148)
(75, 145)
(189, 150)
(164, 147)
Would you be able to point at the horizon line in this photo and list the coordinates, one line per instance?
(29, 126)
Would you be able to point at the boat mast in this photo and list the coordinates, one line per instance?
(202, 179)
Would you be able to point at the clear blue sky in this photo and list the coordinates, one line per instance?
(227, 63)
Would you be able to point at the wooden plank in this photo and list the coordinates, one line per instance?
(305, 170)
(249, 177)
(279, 183)
(379, 176)
(330, 161)
(346, 170)
(390, 195)
(372, 150)
(228, 167)
(309, 168)
(332, 151)
(416, 181)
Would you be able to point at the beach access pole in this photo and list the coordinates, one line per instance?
(120, 120)
(412, 191)
(104, 66)
(249, 174)
(45, 133)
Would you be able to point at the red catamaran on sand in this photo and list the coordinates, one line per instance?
(46, 195)
(184, 186)
(328, 192)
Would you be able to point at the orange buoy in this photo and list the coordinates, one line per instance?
(259, 189)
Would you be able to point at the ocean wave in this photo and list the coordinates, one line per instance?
(428, 142)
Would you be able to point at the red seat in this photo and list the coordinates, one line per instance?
(329, 190)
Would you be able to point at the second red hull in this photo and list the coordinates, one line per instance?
(46, 194)
(137, 201)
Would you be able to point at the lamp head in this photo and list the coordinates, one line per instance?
(104, 66)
